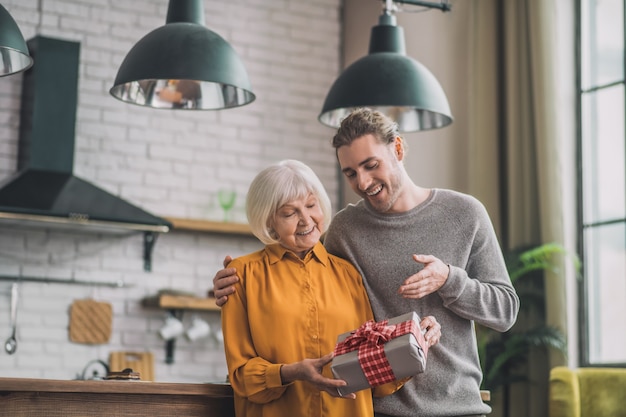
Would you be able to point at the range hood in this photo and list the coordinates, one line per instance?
(45, 191)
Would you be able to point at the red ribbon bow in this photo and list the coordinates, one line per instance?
(370, 341)
(370, 333)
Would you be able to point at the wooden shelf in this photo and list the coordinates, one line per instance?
(210, 226)
(485, 395)
(180, 302)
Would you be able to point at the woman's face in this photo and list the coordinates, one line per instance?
(299, 224)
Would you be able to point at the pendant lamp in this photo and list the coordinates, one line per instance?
(14, 56)
(389, 81)
(183, 65)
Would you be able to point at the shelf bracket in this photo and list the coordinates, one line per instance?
(170, 344)
(149, 239)
(169, 350)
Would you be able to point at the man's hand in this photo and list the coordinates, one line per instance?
(428, 280)
(433, 330)
(223, 283)
(310, 370)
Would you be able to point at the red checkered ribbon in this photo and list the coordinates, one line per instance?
(370, 341)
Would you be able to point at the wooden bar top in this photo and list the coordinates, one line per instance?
(115, 387)
(25, 397)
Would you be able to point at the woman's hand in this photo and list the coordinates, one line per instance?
(310, 370)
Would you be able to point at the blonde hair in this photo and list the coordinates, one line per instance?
(364, 121)
(277, 185)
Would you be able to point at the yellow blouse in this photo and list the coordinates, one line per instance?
(284, 310)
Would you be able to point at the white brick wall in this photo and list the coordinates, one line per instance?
(168, 162)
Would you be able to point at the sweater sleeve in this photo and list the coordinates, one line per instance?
(482, 289)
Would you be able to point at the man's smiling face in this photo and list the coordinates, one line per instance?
(373, 171)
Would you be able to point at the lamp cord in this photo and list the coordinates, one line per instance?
(443, 5)
(40, 18)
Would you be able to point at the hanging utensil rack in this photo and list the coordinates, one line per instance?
(113, 284)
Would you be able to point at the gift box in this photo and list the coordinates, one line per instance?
(380, 352)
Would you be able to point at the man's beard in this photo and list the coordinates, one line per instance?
(392, 193)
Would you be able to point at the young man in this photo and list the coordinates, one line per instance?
(432, 251)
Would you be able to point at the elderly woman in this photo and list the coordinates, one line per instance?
(290, 303)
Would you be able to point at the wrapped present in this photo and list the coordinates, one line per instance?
(380, 352)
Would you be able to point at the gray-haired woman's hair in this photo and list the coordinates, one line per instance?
(277, 185)
(364, 121)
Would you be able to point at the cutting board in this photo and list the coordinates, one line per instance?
(142, 362)
(90, 322)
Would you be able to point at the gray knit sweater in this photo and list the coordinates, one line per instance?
(455, 228)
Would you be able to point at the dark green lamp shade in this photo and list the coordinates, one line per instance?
(183, 65)
(388, 81)
(14, 56)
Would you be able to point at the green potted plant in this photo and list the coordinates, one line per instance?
(502, 353)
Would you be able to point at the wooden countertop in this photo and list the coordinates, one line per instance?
(24, 397)
(114, 387)
(210, 390)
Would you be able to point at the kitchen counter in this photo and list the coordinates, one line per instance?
(58, 398)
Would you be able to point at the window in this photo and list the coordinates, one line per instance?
(602, 197)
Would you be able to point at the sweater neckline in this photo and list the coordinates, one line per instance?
(421, 206)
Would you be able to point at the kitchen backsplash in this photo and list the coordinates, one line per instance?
(183, 261)
(171, 163)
